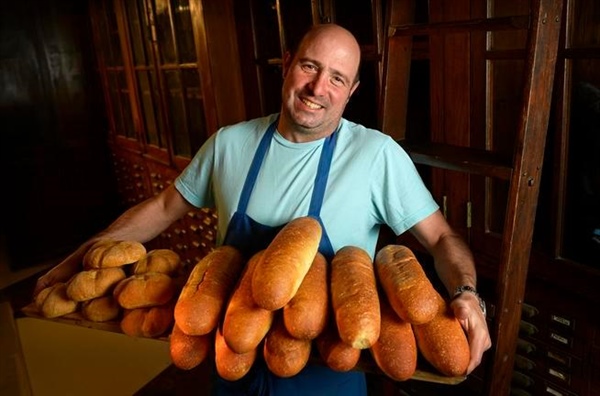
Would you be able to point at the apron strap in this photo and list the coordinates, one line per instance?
(255, 167)
(322, 175)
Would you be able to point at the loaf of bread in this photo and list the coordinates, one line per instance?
(110, 253)
(159, 260)
(285, 355)
(94, 283)
(53, 301)
(354, 297)
(188, 351)
(202, 299)
(443, 343)
(395, 352)
(285, 263)
(231, 365)
(405, 284)
(245, 324)
(144, 290)
(147, 322)
(305, 316)
(336, 354)
(101, 309)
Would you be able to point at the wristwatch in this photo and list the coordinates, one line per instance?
(468, 289)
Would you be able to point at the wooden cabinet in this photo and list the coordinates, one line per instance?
(166, 91)
(470, 85)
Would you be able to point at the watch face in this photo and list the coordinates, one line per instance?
(483, 307)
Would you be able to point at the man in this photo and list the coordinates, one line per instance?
(308, 160)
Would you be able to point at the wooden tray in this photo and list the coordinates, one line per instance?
(366, 364)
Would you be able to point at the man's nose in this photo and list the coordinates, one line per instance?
(319, 84)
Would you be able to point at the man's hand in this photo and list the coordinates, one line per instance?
(468, 312)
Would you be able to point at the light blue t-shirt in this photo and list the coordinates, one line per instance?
(372, 181)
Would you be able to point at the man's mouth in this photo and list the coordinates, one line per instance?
(311, 105)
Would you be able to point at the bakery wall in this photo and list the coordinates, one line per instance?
(58, 183)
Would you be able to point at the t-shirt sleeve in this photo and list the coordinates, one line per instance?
(401, 195)
(195, 181)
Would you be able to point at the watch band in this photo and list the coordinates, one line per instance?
(469, 289)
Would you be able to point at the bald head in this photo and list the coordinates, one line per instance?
(332, 33)
(319, 80)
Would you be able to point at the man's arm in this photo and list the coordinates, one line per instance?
(139, 223)
(455, 267)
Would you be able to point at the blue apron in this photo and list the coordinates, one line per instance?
(250, 237)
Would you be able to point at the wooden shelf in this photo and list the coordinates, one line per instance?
(463, 159)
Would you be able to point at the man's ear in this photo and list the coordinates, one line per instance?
(287, 61)
(353, 89)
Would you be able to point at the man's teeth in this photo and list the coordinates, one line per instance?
(311, 104)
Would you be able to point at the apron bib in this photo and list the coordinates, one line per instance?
(250, 236)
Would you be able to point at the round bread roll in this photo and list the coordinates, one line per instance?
(110, 253)
(147, 322)
(165, 261)
(101, 309)
(145, 290)
(94, 283)
(53, 301)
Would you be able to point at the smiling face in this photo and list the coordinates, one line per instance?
(319, 81)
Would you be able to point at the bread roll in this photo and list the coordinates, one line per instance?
(53, 301)
(94, 283)
(188, 351)
(305, 316)
(101, 309)
(230, 365)
(405, 284)
(443, 342)
(145, 290)
(209, 286)
(285, 355)
(285, 263)
(109, 253)
(354, 297)
(165, 261)
(147, 322)
(245, 324)
(395, 351)
(336, 354)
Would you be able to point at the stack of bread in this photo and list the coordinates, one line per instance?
(120, 281)
(286, 300)
(283, 304)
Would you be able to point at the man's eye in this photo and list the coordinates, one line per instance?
(338, 81)
(309, 67)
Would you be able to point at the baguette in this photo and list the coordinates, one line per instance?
(405, 284)
(144, 290)
(395, 352)
(443, 342)
(188, 351)
(101, 309)
(305, 316)
(203, 297)
(336, 354)
(285, 262)
(231, 365)
(285, 355)
(245, 324)
(159, 260)
(354, 297)
(110, 253)
(94, 283)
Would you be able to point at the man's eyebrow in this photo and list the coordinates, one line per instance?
(334, 72)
